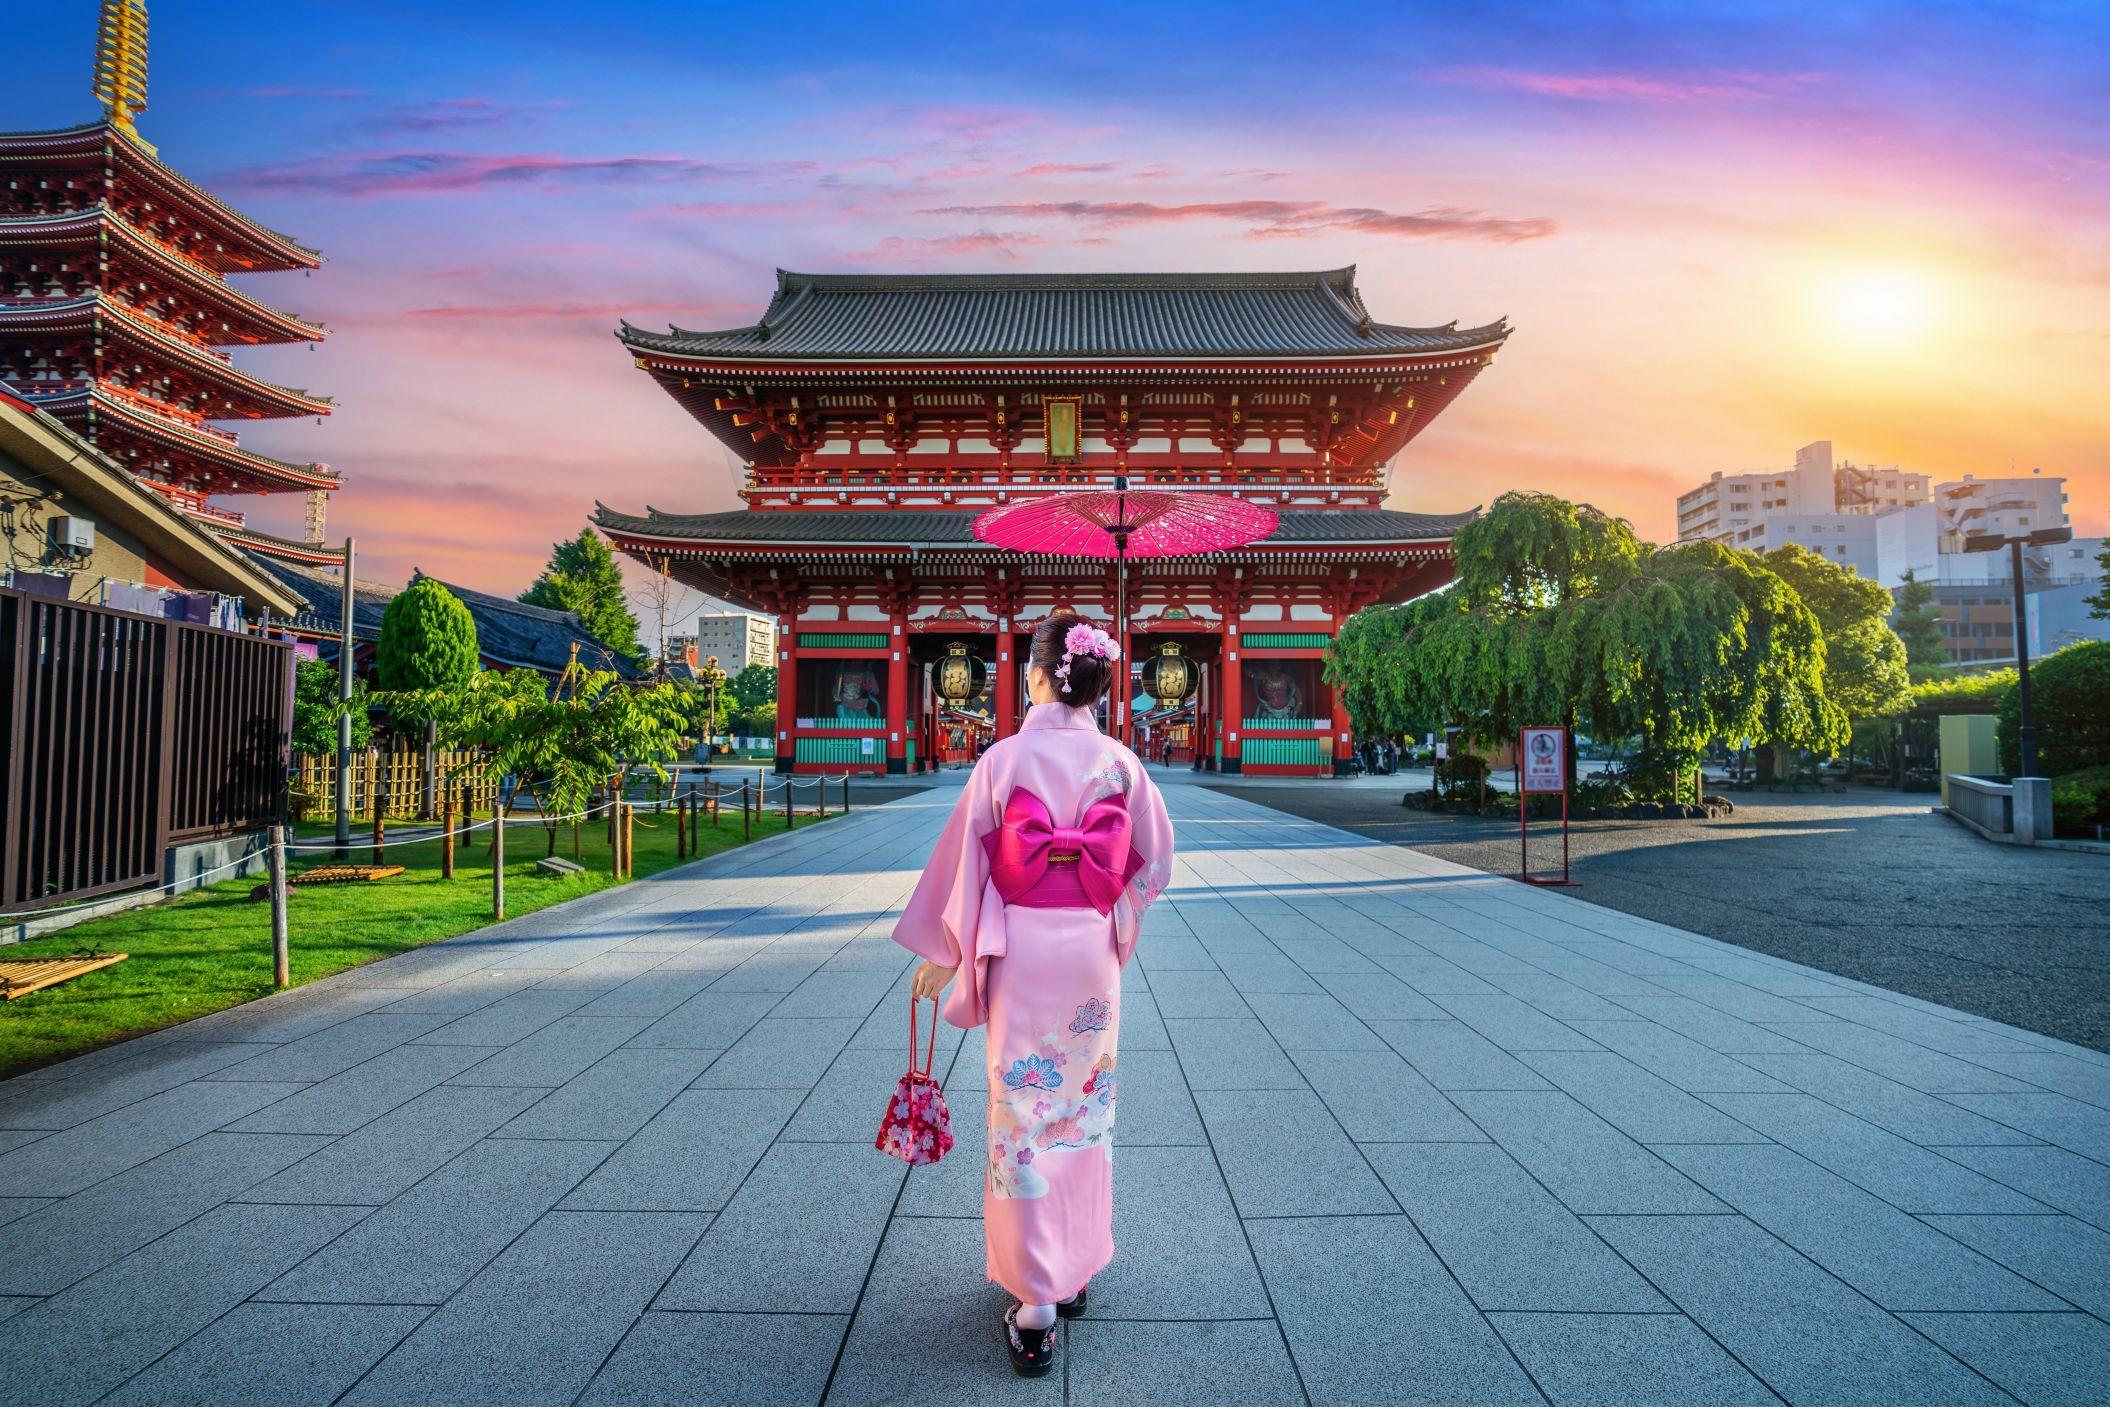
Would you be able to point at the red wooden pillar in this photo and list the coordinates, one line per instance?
(1343, 735)
(1230, 701)
(897, 720)
(1006, 679)
(787, 691)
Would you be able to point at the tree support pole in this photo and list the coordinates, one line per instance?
(281, 961)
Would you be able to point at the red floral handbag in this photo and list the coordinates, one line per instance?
(917, 1128)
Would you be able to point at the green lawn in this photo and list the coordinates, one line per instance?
(212, 948)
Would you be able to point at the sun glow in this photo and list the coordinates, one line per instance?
(1881, 304)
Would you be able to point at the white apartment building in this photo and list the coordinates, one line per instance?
(737, 638)
(1746, 509)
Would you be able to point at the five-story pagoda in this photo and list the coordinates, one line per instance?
(115, 304)
(875, 416)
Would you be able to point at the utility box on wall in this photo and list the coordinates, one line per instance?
(73, 535)
(1970, 745)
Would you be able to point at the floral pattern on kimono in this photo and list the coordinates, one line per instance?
(1058, 1097)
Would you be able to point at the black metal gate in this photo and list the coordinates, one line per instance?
(124, 734)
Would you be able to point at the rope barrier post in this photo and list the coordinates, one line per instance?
(747, 817)
(447, 839)
(380, 821)
(791, 819)
(681, 827)
(498, 861)
(717, 800)
(820, 796)
(281, 961)
(630, 840)
(846, 793)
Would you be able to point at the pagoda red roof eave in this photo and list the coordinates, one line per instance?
(230, 457)
(95, 224)
(288, 400)
(279, 251)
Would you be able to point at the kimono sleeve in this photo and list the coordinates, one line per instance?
(1151, 836)
(948, 919)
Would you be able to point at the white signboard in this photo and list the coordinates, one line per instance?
(867, 746)
(1542, 763)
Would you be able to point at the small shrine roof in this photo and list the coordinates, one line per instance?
(1007, 317)
(955, 527)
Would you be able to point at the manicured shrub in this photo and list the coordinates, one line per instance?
(2070, 696)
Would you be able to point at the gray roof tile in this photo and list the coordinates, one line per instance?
(893, 317)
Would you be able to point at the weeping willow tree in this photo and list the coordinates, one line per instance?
(1558, 613)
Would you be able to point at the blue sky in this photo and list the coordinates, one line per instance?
(1721, 231)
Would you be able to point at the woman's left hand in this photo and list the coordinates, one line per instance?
(930, 980)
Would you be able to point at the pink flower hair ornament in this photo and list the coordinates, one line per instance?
(1085, 640)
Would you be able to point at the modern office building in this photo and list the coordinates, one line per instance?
(737, 638)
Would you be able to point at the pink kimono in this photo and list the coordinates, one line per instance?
(1035, 892)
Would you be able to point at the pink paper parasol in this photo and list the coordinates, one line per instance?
(1120, 524)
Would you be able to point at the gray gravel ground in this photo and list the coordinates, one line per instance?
(1870, 885)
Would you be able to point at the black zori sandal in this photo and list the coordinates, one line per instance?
(1071, 1307)
(1032, 1350)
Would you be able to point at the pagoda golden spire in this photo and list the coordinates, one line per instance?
(121, 60)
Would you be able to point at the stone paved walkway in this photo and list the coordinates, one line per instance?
(1392, 1131)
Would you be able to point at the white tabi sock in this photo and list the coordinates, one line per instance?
(1036, 1316)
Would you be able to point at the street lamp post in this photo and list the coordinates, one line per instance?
(2026, 731)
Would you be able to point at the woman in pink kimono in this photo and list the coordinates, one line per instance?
(1032, 899)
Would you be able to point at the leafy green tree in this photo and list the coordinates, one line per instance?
(1917, 621)
(755, 685)
(2099, 603)
(757, 722)
(582, 576)
(2069, 694)
(567, 741)
(428, 639)
(428, 642)
(315, 710)
(1559, 613)
(1864, 660)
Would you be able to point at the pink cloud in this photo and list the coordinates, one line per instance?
(1064, 168)
(1711, 86)
(1001, 244)
(358, 174)
(1277, 219)
(555, 312)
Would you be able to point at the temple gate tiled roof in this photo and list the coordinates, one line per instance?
(896, 317)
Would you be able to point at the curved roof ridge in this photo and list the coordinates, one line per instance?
(906, 282)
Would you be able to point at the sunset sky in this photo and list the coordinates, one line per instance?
(1720, 231)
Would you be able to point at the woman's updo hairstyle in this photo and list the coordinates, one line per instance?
(1089, 676)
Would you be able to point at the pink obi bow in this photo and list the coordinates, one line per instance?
(1020, 853)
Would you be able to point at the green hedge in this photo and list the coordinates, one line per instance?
(2070, 696)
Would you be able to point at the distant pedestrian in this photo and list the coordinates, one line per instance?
(1032, 897)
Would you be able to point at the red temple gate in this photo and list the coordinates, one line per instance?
(876, 415)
